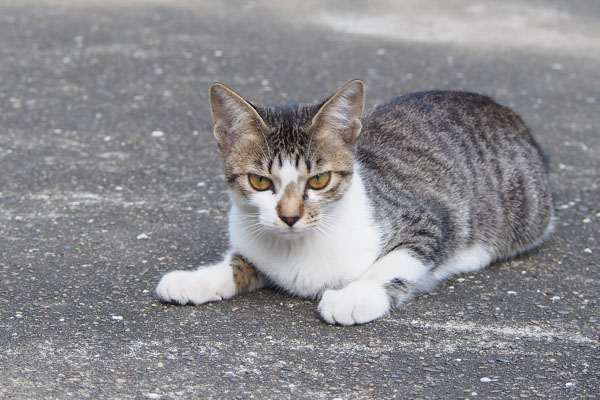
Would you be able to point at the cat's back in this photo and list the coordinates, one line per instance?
(441, 113)
(446, 130)
(460, 157)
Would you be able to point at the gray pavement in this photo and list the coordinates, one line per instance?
(110, 177)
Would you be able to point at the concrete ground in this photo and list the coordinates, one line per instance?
(110, 177)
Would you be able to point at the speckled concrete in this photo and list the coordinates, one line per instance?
(110, 177)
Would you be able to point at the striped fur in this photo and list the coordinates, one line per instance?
(448, 170)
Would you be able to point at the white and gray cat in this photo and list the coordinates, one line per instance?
(364, 214)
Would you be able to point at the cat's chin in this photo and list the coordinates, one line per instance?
(291, 234)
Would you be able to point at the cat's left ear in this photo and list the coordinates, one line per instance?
(341, 114)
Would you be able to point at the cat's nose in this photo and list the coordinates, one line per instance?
(289, 220)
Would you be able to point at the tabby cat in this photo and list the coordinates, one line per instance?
(365, 213)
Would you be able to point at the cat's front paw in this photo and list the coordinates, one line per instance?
(196, 287)
(358, 303)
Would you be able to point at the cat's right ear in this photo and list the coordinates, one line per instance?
(233, 116)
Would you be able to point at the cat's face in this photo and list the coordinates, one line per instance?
(289, 197)
(288, 166)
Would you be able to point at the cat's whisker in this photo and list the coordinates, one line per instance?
(326, 223)
(318, 148)
(309, 152)
(254, 234)
(319, 233)
(254, 226)
(325, 230)
(248, 214)
(266, 143)
(322, 230)
(249, 218)
(253, 229)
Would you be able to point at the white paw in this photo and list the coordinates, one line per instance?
(358, 303)
(203, 285)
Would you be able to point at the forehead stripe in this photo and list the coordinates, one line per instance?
(270, 166)
(288, 173)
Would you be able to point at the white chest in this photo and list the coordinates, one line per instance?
(308, 265)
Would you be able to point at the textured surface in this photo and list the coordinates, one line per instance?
(110, 177)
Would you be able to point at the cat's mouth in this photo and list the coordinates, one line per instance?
(296, 231)
(290, 233)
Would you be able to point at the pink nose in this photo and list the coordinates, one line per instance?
(289, 220)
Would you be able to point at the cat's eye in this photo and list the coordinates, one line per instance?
(259, 183)
(319, 181)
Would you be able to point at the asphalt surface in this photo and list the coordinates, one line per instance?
(110, 177)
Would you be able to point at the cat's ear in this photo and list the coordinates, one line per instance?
(341, 113)
(234, 117)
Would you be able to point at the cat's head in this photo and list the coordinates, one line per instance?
(287, 166)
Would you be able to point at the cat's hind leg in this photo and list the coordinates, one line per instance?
(389, 282)
(470, 259)
(213, 283)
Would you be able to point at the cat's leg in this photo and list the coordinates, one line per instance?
(389, 282)
(466, 260)
(213, 283)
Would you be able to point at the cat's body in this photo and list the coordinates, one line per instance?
(454, 171)
(437, 183)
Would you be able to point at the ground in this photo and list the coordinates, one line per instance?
(110, 177)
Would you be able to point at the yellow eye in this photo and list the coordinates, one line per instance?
(319, 181)
(259, 183)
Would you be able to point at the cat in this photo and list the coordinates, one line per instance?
(363, 214)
